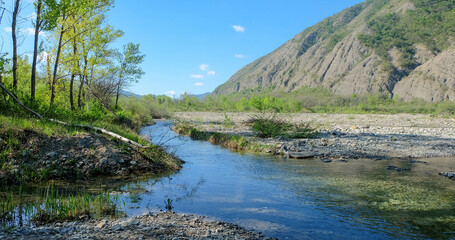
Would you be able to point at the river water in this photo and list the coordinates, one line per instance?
(302, 199)
(292, 198)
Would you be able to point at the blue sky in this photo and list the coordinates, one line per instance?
(194, 46)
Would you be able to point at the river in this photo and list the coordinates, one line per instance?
(302, 199)
(292, 198)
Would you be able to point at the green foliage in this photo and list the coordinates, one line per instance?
(233, 142)
(58, 208)
(307, 100)
(168, 204)
(52, 206)
(432, 23)
(272, 126)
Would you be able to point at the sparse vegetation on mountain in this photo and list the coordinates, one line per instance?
(399, 48)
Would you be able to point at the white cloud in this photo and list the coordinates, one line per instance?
(204, 67)
(238, 28)
(198, 84)
(28, 31)
(32, 16)
(42, 56)
(197, 76)
(211, 73)
(239, 56)
(172, 92)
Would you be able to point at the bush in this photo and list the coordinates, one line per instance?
(272, 126)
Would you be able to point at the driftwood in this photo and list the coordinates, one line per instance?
(101, 130)
(301, 155)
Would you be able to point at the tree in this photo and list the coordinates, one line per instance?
(95, 54)
(3, 62)
(129, 70)
(46, 19)
(77, 10)
(14, 36)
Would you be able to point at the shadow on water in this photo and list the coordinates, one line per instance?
(294, 199)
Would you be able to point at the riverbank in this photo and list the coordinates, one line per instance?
(344, 136)
(165, 225)
(36, 151)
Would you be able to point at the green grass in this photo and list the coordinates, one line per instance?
(272, 126)
(51, 206)
(57, 208)
(23, 137)
(233, 142)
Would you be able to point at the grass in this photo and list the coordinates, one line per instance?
(58, 208)
(23, 139)
(51, 206)
(233, 142)
(271, 126)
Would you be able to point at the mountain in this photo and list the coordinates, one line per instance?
(201, 96)
(401, 48)
(129, 94)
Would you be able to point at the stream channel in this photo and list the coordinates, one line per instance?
(305, 199)
(299, 198)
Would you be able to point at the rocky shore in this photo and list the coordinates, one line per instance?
(85, 155)
(347, 136)
(165, 225)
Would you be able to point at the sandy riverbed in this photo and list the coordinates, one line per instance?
(349, 135)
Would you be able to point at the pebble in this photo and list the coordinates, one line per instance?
(354, 136)
(147, 226)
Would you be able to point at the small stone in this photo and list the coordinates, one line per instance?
(326, 160)
(101, 224)
(133, 163)
(129, 223)
(52, 154)
(117, 227)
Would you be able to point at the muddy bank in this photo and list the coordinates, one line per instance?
(166, 225)
(32, 157)
(346, 135)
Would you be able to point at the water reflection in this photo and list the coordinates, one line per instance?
(296, 199)
(309, 198)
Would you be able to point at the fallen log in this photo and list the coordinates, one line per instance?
(101, 130)
(19, 102)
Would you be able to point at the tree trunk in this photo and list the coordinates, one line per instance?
(57, 57)
(13, 34)
(116, 97)
(73, 74)
(3, 91)
(82, 79)
(35, 50)
(79, 95)
(71, 91)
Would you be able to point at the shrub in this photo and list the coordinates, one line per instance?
(263, 127)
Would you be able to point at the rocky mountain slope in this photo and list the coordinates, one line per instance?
(401, 48)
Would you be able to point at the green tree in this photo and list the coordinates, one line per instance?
(14, 37)
(46, 19)
(72, 12)
(129, 70)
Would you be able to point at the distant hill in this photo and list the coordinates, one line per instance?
(129, 94)
(401, 48)
(201, 96)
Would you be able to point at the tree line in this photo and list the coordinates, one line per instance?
(79, 67)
